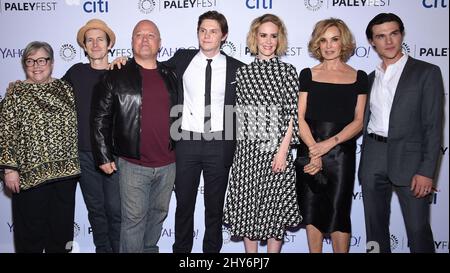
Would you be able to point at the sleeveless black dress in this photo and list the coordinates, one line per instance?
(330, 107)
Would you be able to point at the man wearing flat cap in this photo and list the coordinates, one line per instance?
(101, 191)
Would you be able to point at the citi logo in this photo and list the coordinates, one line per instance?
(429, 4)
(100, 6)
(258, 4)
(434, 197)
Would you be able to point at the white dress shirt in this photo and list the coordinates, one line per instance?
(382, 96)
(194, 93)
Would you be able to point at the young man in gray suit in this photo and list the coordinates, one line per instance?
(401, 138)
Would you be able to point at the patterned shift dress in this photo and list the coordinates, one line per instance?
(260, 204)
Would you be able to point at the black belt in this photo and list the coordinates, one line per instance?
(378, 137)
(217, 135)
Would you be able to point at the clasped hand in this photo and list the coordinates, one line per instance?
(314, 166)
(320, 148)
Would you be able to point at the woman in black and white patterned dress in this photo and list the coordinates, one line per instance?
(261, 200)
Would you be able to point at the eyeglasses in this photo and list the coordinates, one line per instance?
(40, 61)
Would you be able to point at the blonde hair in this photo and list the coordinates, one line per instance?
(348, 42)
(253, 32)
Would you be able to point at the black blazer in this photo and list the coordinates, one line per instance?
(116, 111)
(180, 62)
(415, 123)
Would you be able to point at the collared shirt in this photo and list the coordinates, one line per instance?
(194, 93)
(382, 96)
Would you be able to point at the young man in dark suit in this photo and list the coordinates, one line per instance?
(401, 138)
(207, 79)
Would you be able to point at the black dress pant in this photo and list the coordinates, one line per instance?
(44, 217)
(193, 157)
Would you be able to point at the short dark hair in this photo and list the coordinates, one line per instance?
(381, 19)
(214, 15)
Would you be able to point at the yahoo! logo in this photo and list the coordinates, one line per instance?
(167, 52)
(362, 51)
(168, 232)
(11, 52)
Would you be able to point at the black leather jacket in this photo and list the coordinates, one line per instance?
(116, 111)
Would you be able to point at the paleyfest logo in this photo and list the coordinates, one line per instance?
(146, 6)
(229, 48)
(76, 229)
(226, 235)
(67, 52)
(394, 242)
(313, 5)
(406, 48)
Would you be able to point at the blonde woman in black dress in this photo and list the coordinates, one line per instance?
(331, 107)
(261, 200)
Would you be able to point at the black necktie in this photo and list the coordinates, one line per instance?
(208, 96)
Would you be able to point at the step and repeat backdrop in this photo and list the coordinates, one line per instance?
(57, 22)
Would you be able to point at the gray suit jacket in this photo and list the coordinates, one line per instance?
(415, 123)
